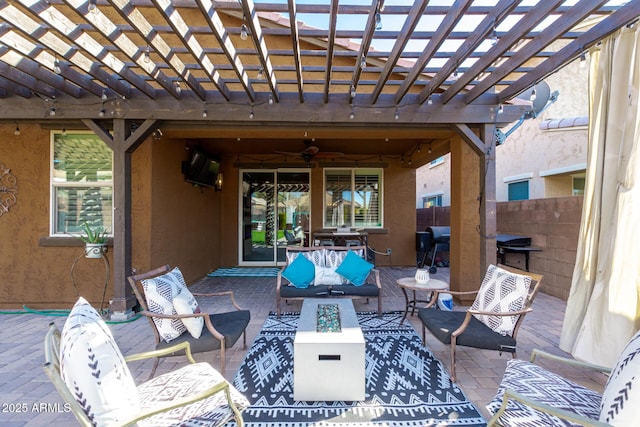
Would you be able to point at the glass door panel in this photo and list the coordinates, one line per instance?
(274, 213)
(293, 201)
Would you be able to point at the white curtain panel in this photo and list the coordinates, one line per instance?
(603, 309)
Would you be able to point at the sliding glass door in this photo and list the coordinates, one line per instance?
(275, 212)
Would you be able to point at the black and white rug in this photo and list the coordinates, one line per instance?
(405, 384)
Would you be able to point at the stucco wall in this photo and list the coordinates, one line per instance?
(36, 271)
(553, 224)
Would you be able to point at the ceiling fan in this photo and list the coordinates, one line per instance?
(311, 152)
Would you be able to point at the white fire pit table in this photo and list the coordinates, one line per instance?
(328, 366)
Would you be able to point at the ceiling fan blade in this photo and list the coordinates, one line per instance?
(329, 154)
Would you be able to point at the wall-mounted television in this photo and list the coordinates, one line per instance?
(201, 169)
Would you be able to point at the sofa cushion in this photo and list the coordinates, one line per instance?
(545, 387)
(622, 391)
(300, 272)
(316, 291)
(160, 292)
(354, 268)
(93, 368)
(501, 291)
(185, 303)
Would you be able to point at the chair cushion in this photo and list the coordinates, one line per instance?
(443, 323)
(159, 292)
(93, 368)
(185, 303)
(545, 387)
(622, 391)
(231, 324)
(354, 268)
(300, 272)
(184, 382)
(501, 291)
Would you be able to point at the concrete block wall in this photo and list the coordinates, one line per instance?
(553, 225)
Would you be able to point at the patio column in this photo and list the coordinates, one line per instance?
(123, 143)
(473, 213)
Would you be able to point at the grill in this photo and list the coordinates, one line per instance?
(509, 243)
(435, 239)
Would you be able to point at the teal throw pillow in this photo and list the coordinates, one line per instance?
(354, 269)
(300, 272)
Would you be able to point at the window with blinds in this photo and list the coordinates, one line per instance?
(81, 183)
(352, 198)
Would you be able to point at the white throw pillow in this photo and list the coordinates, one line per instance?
(622, 391)
(93, 368)
(185, 303)
(160, 292)
(501, 291)
(327, 276)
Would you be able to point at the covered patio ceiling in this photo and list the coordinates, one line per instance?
(287, 71)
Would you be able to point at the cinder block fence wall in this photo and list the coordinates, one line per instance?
(553, 225)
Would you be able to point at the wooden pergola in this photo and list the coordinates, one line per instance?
(346, 72)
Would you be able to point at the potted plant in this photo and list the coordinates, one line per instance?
(95, 241)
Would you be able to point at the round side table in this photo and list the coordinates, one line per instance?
(410, 284)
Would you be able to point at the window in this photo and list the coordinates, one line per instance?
(436, 162)
(578, 186)
(81, 183)
(519, 190)
(352, 198)
(431, 201)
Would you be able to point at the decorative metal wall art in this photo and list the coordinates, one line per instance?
(8, 189)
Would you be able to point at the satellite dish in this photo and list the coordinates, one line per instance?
(539, 96)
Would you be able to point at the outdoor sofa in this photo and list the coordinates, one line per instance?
(327, 272)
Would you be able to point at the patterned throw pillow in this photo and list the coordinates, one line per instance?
(93, 368)
(544, 387)
(315, 256)
(160, 292)
(622, 391)
(334, 258)
(501, 291)
(186, 303)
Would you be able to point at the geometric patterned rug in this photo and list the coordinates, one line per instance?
(245, 272)
(405, 384)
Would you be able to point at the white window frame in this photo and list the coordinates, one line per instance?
(54, 185)
(354, 172)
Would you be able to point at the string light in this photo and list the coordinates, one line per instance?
(244, 31)
(178, 88)
(93, 7)
(533, 95)
(500, 109)
(378, 20)
(17, 131)
(396, 116)
(102, 112)
(260, 74)
(494, 37)
(270, 99)
(352, 114)
(583, 60)
(204, 113)
(147, 54)
(251, 115)
(52, 111)
(56, 66)
(103, 97)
